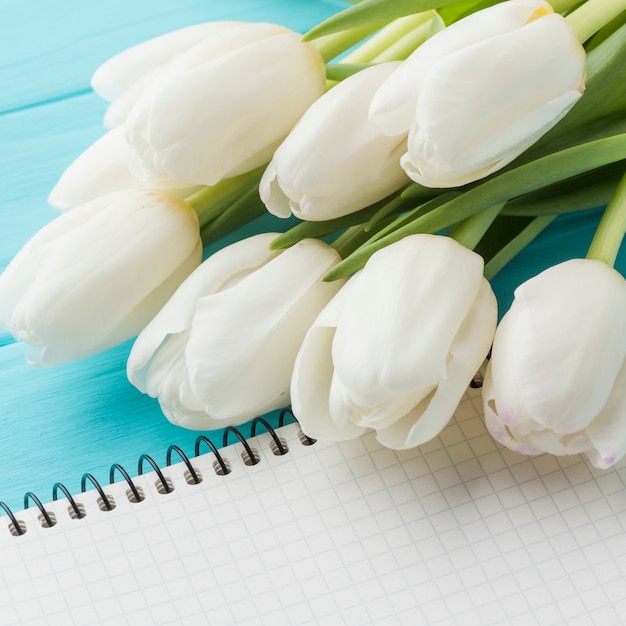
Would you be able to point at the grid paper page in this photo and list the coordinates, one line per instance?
(460, 531)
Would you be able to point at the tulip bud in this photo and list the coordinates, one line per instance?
(95, 276)
(334, 161)
(99, 170)
(480, 92)
(221, 107)
(556, 381)
(396, 349)
(222, 349)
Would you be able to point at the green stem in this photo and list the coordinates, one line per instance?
(405, 46)
(471, 230)
(589, 18)
(349, 240)
(564, 6)
(610, 233)
(389, 36)
(244, 210)
(389, 208)
(516, 245)
(210, 202)
(333, 45)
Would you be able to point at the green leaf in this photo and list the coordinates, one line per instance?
(370, 11)
(508, 185)
(587, 191)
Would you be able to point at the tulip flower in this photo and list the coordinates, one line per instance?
(122, 79)
(396, 349)
(95, 276)
(219, 108)
(334, 161)
(556, 381)
(222, 349)
(478, 93)
(99, 170)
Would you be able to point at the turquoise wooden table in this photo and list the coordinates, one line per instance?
(56, 424)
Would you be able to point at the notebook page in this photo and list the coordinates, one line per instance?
(460, 531)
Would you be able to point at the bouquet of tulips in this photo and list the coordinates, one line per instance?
(414, 147)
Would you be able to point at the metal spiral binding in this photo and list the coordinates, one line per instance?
(164, 485)
(78, 511)
(109, 506)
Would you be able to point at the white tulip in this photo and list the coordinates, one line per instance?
(480, 92)
(222, 107)
(395, 350)
(222, 350)
(123, 78)
(334, 161)
(95, 276)
(99, 170)
(556, 381)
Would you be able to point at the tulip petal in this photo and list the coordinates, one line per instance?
(506, 401)
(220, 271)
(313, 374)
(551, 311)
(496, 424)
(101, 169)
(469, 349)
(228, 340)
(16, 279)
(607, 432)
(271, 193)
(393, 108)
(409, 314)
(130, 75)
(121, 71)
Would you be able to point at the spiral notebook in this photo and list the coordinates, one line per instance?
(280, 529)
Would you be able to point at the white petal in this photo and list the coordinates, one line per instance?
(22, 270)
(101, 169)
(220, 271)
(496, 425)
(607, 432)
(273, 197)
(125, 68)
(312, 376)
(393, 108)
(468, 351)
(244, 340)
(563, 383)
(118, 111)
(409, 302)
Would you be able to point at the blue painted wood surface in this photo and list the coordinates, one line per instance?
(56, 424)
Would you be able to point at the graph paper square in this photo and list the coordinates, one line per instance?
(459, 531)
